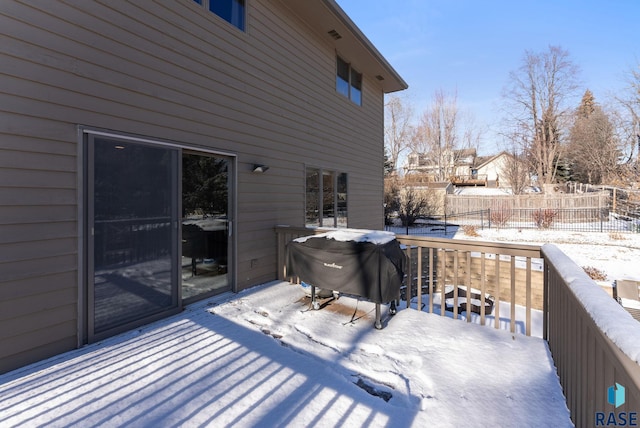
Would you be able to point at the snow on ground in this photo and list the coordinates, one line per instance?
(483, 191)
(262, 358)
(615, 254)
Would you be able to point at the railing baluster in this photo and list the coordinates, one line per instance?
(419, 285)
(483, 285)
(497, 305)
(407, 290)
(468, 286)
(528, 297)
(455, 284)
(513, 294)
(431, 287)
(442, 283)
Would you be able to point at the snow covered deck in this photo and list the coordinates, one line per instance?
(261, 358)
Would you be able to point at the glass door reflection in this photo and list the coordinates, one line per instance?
(205, 226)
(134, 249)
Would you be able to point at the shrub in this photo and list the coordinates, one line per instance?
(470, 230)
(500, 216)
(413, 204)
(595, 273)
(544, 218)
(616, 236)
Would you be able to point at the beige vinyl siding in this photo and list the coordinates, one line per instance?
(38, 244)
(174, 71)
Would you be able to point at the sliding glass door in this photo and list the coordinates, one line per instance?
(158, 227)
(133, 214)
(205, 225)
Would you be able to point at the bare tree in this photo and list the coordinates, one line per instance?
(537, 99)
(628, 121)
(593, 147)
(516, 165)
(398, 128)
(442, 134)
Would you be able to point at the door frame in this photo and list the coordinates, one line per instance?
(84, 265)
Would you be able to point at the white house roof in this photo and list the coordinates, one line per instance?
(485, 160)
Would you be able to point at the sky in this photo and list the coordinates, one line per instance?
(471, 46)
(262, 358)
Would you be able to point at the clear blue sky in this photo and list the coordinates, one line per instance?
(472, 45)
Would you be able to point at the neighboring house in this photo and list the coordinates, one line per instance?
(500, 170)
(442, 166)
(136, 138)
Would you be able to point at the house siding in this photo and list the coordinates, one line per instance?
(173, 71)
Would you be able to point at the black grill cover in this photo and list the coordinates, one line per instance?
(366, 269)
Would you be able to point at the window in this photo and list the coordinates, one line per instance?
(312, 197)
(341, 201)
(348, 81)
(231, 11)
(342, 77)
(326, 198)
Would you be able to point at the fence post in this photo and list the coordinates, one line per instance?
(445, 224)
(601, 215)
(481, 219)
(489, 215)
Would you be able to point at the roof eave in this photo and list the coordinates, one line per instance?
(329, 20)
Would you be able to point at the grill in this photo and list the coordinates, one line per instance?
(362, 263)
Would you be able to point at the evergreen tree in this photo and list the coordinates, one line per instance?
(587, 105)
(592, 152)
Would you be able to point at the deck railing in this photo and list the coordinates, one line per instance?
(583, 323)
(592, 339)
(442, 270)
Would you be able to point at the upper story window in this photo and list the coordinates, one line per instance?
(231, 11)
(348, 81)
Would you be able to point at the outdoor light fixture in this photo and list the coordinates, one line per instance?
(259, 169)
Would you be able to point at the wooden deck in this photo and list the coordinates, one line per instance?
(469, 180)
(588, 360)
